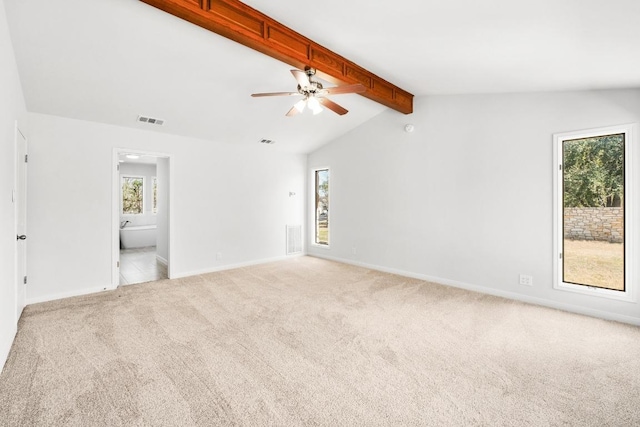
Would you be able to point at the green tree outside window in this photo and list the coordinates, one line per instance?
(132, 195)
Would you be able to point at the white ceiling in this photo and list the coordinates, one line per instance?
(109, 61)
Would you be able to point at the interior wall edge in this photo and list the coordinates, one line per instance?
(13, 112)
(181, 275)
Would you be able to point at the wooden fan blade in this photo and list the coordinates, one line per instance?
(297, 108)
(333, 106)
(257, 95)
(292, 112)
(301, 77)
(338, 90)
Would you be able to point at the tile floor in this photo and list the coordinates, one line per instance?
(140, 265)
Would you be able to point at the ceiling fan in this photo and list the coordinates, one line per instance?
(314, 94)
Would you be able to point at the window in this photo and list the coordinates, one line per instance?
(154, 192)
(592, 204)
(132, 195)
(322, 207)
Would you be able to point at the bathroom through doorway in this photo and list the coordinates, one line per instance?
(142, 212)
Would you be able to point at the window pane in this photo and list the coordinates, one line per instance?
(132, 189)
(155, 195)
(322, 207)
(593, 217)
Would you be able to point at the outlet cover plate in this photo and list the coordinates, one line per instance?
(526, 280)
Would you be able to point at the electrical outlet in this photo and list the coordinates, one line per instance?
(526, 280)
(218, 256)
(354, 250)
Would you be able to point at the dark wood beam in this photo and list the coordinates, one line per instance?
(245, 25)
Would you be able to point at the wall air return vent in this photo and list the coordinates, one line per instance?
(294, 239)
(267, 141)
(150, 120)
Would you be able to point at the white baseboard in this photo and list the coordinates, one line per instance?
(232, 266)
(495, 292)
(468, 286)
(6, 341)
(53, 297)
(162, 260)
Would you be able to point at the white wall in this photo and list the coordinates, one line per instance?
(467, 198)
(162, 237)
(12, 108)
(148, 171)
(225, 199)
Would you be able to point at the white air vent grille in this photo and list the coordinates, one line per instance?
(150, 120)
(267, 141)
(294, 239)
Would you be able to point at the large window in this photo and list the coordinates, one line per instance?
(322, 206)
(132, 195)
(592, 212)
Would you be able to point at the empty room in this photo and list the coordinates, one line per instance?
(217, 212)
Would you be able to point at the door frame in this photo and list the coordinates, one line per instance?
(115, 210)
(20, 303)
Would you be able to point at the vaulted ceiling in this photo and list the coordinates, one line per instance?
(111, 61)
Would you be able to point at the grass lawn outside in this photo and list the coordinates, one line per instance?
(592, 263)
(322, 233)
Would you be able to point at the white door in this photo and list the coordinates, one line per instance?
(21, 220)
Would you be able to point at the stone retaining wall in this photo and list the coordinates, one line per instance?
(604, 224)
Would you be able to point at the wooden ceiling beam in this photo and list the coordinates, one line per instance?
(245, 25)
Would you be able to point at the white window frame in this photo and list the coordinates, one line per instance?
(629, 294)
(144, 205)
(313, 210)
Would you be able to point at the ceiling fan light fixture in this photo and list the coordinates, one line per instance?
(300, 105)
(314, 105)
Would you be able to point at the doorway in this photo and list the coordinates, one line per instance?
(141, 217)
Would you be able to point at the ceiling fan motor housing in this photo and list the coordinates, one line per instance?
(312, 89)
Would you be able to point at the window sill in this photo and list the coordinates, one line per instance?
(317, 245)
(596, 292)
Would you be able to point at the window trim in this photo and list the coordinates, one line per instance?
(629, 294)
(144, 205)
(313, 210)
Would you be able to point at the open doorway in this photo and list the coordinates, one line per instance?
(141, 217)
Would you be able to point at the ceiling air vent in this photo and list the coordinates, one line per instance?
(150, 120)
(267, 141)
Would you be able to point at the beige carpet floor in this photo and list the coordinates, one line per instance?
(312, 342)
